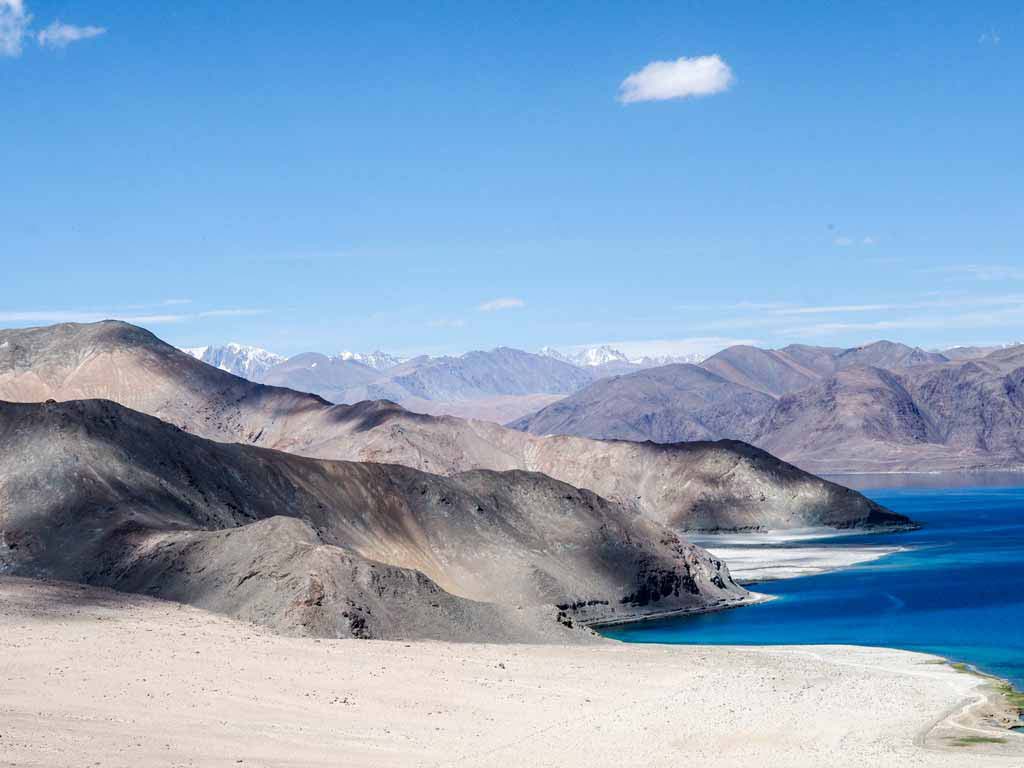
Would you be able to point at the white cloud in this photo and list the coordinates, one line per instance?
(447, 323)
(14, 21)
(230, 312)
(988, 272)
(503, 303)
(679, 79)
(46, 317)
(989, 38)
(843, 242)
(60, 35)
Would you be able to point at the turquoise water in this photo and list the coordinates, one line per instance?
(959, 592)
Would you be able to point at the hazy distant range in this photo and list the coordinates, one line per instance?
(498, 385)
(880, 407)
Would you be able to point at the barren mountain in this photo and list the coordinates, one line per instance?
(91, 491)
(668, 404)
(771, 371)
(702, 485)
(887, 354)
(779, 372)
(944, 416)
(503, 371)
(332, 378)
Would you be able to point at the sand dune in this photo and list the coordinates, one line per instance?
(93, 677)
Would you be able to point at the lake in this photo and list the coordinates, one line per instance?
(958, 591)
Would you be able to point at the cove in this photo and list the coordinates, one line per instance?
(958, 590)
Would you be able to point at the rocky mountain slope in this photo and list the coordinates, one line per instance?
(724, 485)
(93, 492)
(670, 404)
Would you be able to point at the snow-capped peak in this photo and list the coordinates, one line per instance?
(378, 360)
(587, 356)
(653, 361)
(606, 354)
(240, 359)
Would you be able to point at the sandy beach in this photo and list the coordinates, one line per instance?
(92, 677)
(755, 557)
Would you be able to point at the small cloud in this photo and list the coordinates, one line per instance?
(174, 302)
(868, 240)
(987, 272)
(843, 242)
(14, 21)
(60, 35)
(446, 323)
(989, 38)
(505, 303)
(679, 79)
(231, 312)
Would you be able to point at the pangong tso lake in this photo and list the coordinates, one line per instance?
(955, 587)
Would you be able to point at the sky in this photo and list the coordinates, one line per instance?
(446, 176)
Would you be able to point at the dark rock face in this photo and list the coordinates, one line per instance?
(93, 492)
(703, 485)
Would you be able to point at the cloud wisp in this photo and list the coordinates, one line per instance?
(799, 321)
(986, 272)
(46, 317)
(15, 23)
(679, 79)
(495, 305)
(60, 35)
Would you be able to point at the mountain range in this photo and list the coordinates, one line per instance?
(703, 485)
(881, 407)
(498, 385)
(159, 474)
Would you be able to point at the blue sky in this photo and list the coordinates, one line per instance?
(447, 176)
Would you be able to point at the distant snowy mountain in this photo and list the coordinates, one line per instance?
(248, 362)
(694, 358)
(377, 360)
(588, 356)
(608, 356)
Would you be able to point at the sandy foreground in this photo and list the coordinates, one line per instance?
(92, 677)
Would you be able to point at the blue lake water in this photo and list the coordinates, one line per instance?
(959, 592)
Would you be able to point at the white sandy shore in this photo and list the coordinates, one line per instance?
(749, 565)
(89, 677)
(755, 557)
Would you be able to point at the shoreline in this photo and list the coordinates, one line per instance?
(754, 599)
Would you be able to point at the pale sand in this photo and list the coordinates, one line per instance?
(89, 677)
(749, 565)
(755, 557)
